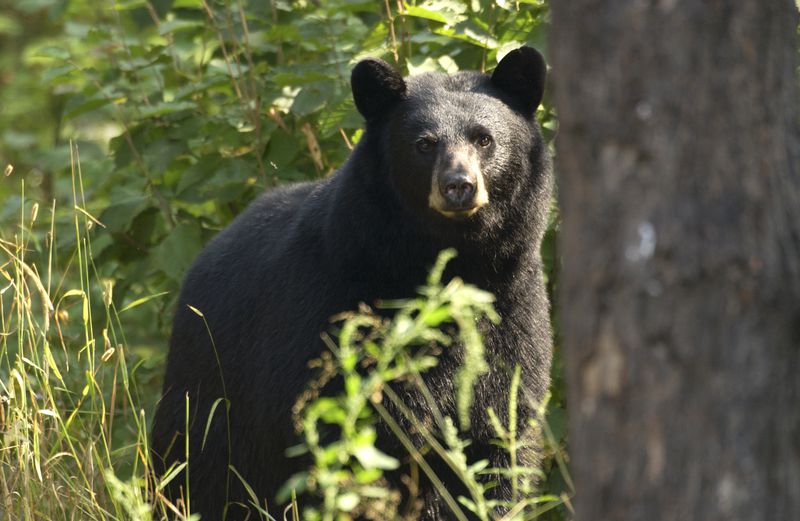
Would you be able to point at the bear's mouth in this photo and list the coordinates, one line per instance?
(459, 214)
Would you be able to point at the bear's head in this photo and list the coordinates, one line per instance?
(464, 150)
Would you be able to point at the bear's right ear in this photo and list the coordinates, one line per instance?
(376, 87)
(521, 73)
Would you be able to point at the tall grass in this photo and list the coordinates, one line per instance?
(74, 432)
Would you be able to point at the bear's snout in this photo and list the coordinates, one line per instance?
(458, 190)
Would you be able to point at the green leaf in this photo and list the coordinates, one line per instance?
(443, 11)
(81, 105)
(371, 458)
(421, 12)
(282, 149)
(164, 108)
(437, 316)
(202, 170)
(178, 24)
(310, 99)
(347, 502)
(57, 73)
(51, 51)
(118, 216)
(175, 253)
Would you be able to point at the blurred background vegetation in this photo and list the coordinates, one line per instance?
(130, 133)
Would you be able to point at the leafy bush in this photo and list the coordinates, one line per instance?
(203, 104)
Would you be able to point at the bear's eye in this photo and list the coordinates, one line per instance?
(485, 140)
(425, 144)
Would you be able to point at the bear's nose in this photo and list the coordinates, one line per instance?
(458, 190)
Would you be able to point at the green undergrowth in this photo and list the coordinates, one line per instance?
(373, 355)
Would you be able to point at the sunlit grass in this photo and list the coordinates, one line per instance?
(74, 431)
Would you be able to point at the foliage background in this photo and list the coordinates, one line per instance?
(161, 120)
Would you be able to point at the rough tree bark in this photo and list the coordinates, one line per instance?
(679, 164)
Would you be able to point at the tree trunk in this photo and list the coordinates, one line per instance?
(679, 163)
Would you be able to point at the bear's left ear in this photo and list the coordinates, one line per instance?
(376, 87)
(521, 73)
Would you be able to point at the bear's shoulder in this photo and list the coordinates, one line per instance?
(254, 236)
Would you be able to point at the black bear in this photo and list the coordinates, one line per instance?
(446, 161)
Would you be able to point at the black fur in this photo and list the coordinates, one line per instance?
(376, 87)
(268, 284)
(522, 72)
